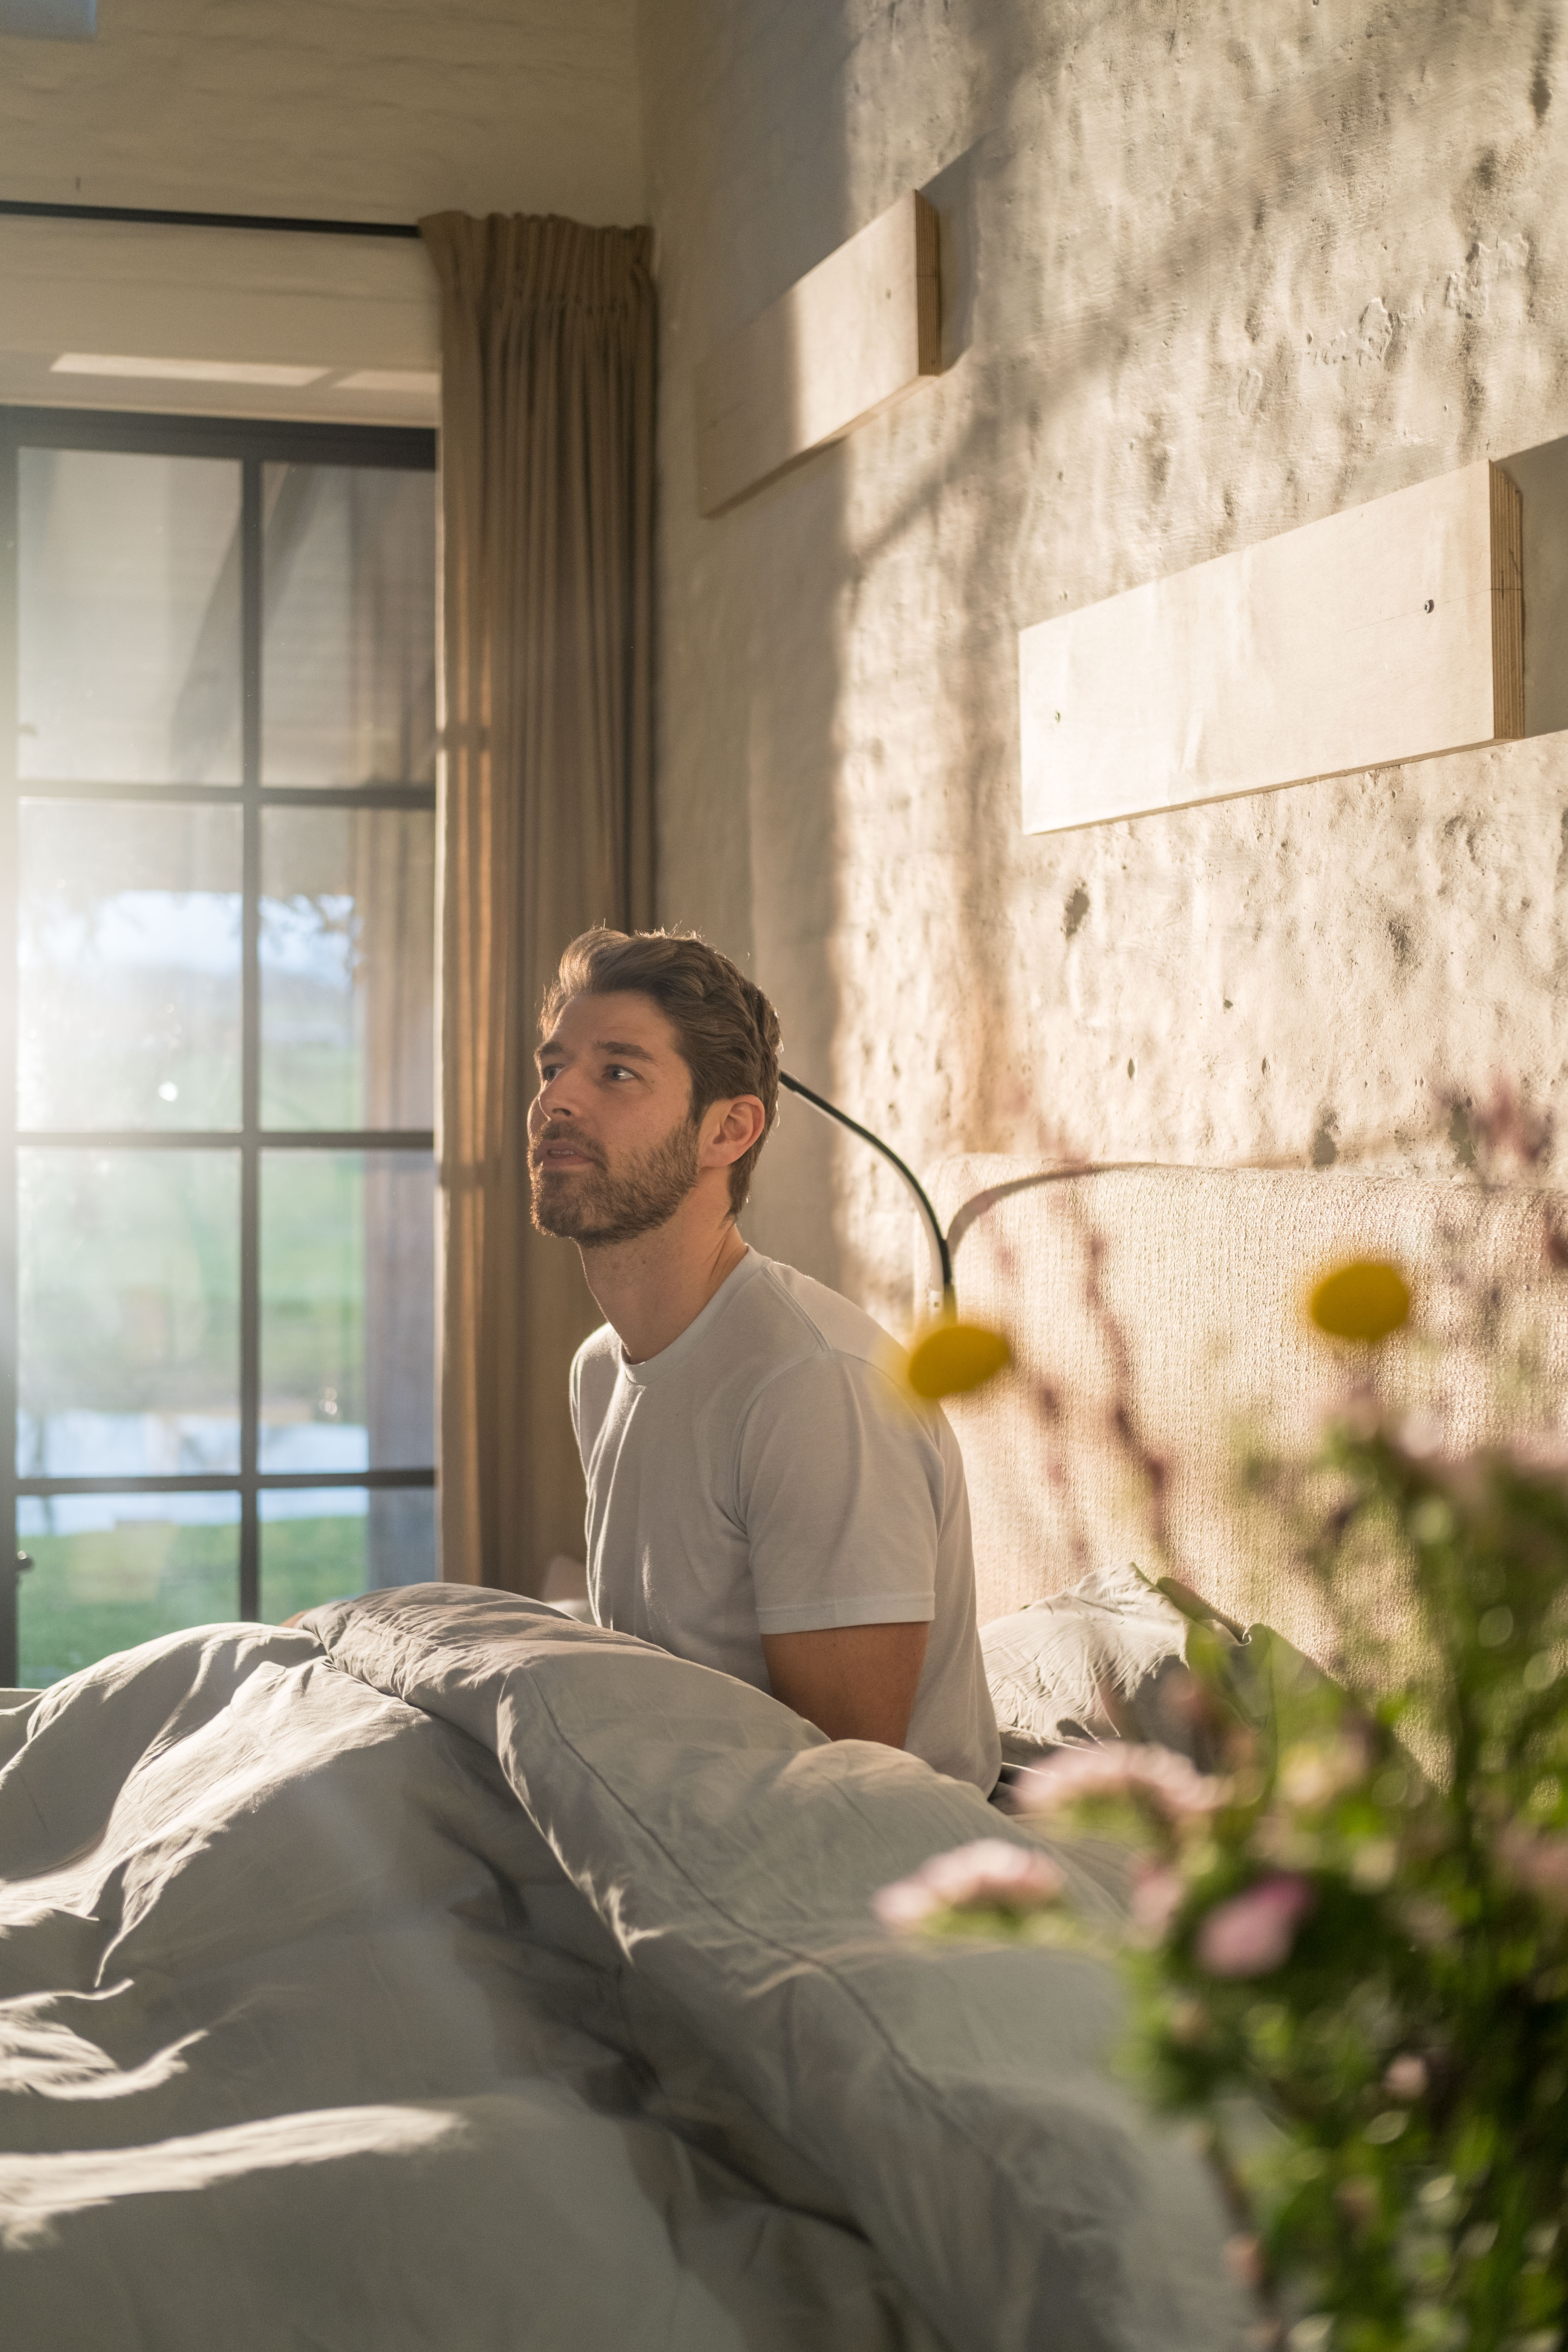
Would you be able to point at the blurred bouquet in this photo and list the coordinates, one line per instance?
(1347, 1942)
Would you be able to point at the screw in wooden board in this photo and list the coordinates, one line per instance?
(1428, 607)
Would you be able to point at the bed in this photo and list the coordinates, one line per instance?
(446, 1973)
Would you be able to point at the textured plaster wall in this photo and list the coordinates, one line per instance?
(370, 108)
(1212, 268)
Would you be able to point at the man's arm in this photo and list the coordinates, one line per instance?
(854, 1682)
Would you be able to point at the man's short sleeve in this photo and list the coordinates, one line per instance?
(839, 1485)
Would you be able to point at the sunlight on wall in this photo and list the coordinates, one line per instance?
(1204, 281)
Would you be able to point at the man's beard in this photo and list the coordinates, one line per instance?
(597, 1209)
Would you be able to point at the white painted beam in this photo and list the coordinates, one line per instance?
(1391, 632)
(856, 332)
(348, 307)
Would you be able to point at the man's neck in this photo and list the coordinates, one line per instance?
(651, 1290)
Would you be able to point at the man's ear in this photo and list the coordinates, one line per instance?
(732, 1127)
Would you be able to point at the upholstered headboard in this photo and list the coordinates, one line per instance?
(1178, 1292)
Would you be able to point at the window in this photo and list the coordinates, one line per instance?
(217, 716)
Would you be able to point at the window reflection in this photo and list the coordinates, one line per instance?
(348, 1286)
(111, 1571)
(129, 1313)
(348, 918)
(349, 626)
(129, 600)
(129, 945)
(327, 1543)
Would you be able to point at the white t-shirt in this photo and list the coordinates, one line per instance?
(764, 1474)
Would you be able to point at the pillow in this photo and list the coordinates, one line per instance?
(1085, 1665)
(1107, 1660)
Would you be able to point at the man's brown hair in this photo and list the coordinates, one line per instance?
(726, 1031)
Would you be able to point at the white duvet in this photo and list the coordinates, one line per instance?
(450, 1975)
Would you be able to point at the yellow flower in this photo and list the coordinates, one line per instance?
(1366, 1300)
(950, 1359)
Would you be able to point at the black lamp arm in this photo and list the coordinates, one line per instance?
(831, 1110)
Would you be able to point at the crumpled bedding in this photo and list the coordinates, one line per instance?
(443, 1973)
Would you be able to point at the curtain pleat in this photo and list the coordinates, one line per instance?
(546, 825)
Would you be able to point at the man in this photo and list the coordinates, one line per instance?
(762, 1496)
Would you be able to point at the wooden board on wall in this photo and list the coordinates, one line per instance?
(1391, 632)
(856, 332)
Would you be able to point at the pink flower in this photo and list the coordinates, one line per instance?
(989, 1875)
(907, 1903)
(1155, 1774)
(1252, 1934)
(1537, 1863)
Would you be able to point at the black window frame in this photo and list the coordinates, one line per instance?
(255, 443)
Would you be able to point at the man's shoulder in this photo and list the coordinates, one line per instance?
(594, 1368)
(796, 1317)
(820, 1337)
(600, 1347)
(598, 1344)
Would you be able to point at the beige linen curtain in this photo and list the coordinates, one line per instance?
(545, 827)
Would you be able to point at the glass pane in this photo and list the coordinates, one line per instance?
(348, 660)
(327, 1543)
(129, 643)
(129, 953)
(111, 1571)
(348, 1326)
(129, 1313)
(348, 967)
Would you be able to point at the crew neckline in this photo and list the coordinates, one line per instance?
(652, 1368)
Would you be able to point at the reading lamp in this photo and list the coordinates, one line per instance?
(941, 1257)
(949, 1357)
